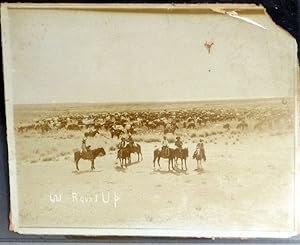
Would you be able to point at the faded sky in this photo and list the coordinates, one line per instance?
(93, 56)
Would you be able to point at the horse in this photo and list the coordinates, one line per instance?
(91, 134)
(168, 154)
(89, 155)
(123, 155)
(199, 155)
(135, 148)
(182, 154)
(116, 132)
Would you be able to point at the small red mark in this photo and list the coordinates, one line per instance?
(208, 45)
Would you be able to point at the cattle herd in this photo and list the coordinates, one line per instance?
(118, 123)
(242, 118)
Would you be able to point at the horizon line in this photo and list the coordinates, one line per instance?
(155, 102)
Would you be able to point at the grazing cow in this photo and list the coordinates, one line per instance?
(131, 131)
(73, 127)
(91, 134)
(242, 126)
(171, 129)
(116, 132)
(43, 127)
(226, 126)
(191, 125)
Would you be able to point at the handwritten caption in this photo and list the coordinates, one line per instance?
(104, 197)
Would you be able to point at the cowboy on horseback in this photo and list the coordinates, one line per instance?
(165, 146)
(178, 144)
(200, 146)
(199, 154)
(84, 147)
(122, 144)
(130, 140)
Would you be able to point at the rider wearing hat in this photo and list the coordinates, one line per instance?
(130, 140)
(200, 144)
(122, 143)
(178, 143)
(200, 151)
(165, 145)
(84, 147)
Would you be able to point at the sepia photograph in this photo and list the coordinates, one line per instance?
(150, 120)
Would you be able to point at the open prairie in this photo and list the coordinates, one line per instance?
(247, 179)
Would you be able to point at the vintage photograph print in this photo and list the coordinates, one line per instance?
(150, 120)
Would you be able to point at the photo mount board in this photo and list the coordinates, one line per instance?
(232, 12)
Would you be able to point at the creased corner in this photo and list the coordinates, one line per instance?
(234, 14)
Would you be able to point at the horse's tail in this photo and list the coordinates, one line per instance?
(187, 152)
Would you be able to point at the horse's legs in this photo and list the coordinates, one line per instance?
(77, 165)
(92, 165)
(141, 156)
(201, 168)
(185, 164)
(171, 163)
(158, 162)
